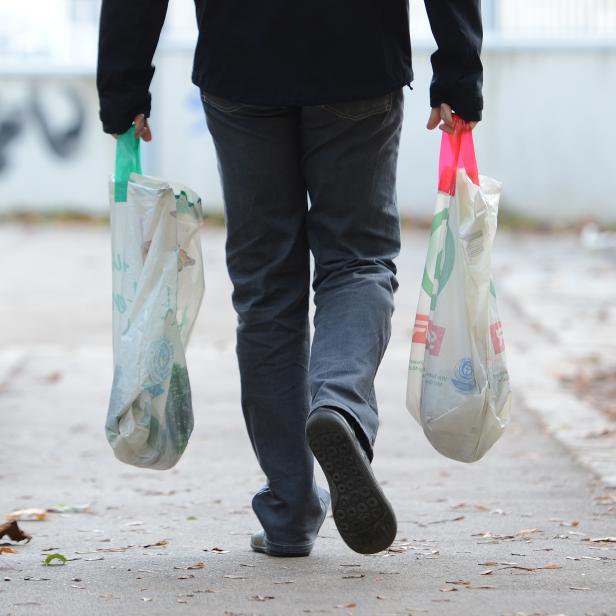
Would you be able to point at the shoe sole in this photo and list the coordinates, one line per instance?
(363, 515)
(262, 549)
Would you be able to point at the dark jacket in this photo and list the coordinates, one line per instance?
(291, 52)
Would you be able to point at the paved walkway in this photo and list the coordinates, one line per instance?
(513, 534)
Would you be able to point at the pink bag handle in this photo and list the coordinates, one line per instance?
(457, 151)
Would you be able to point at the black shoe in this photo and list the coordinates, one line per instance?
(259, 543)
(363, 515)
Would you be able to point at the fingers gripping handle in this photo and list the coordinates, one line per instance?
(457, 151)
(128, 160)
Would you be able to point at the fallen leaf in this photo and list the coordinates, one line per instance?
(216, 550)
(262, 597)
(247, 565)
(456, 519)
(489, 563)
(48, 561)
(13, 532)
(31, 515)
(353, 577)
(70, 509)
(118, 549)
(199, 565)
(7, 550)
(579, 588)
(27, 603)
(146, 599)
(158, 544)
(486, 572)
(448, 589)
(551, 567)
(347, 605)
(601, 539)
(285, 582)
(235, 577)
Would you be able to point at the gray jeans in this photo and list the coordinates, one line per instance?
(273, 162)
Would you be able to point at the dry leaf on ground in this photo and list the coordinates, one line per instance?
(199, 565)
(158, 544)
(70, 509)
(13, 532)
(30, 515)
(7, 550)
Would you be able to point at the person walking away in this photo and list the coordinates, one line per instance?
(304, 102)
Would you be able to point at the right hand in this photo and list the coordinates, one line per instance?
(443, 115)
(142, 128)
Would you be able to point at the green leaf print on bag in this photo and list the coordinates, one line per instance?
(183, 205)
(178, 410)
(443, 260)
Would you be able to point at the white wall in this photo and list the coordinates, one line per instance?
(546, 134)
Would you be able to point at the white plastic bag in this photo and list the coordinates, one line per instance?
(157, 291)
(458, 384)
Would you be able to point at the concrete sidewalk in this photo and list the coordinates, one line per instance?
(513, 534)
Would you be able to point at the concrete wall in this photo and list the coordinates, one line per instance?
(546, 134)
(52, 152)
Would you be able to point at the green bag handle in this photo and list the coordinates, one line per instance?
(128, 160)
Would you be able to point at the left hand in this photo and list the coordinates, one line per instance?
(444, 114)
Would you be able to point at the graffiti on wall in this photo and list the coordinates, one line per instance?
(62, 142)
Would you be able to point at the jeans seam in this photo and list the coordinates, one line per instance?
(224, 109)
(385, 108)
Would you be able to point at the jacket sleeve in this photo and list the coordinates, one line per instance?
(128, 35)
(457, 70)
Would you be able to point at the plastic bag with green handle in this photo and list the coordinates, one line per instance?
(157, 279)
